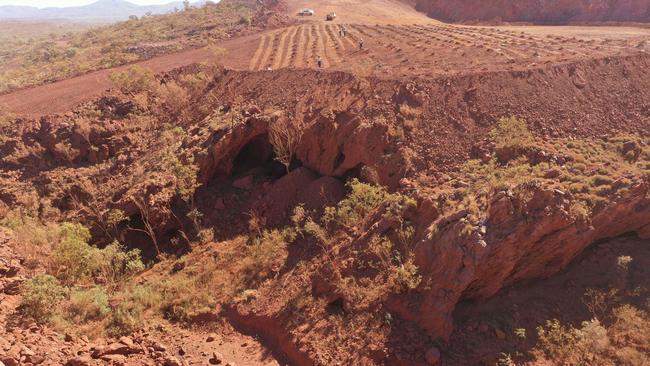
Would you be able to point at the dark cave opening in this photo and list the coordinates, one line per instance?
(258, 156)
(135, 235)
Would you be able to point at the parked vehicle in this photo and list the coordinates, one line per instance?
(306, 12)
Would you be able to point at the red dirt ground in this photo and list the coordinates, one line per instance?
(582, 81)
(399, 43)
(561, 297)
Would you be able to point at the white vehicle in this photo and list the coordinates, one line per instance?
(306, 12)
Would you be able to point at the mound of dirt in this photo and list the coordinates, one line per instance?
(535, 11)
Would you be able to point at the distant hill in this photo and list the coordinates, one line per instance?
(102, 10)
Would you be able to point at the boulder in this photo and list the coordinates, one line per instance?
(172, 361)
(432, 356)
(115, 349)
(79, 361)
(157, 346)
(216, 359)
(211, 337)
(9, 361)
(501, 335)
(127, 341)
(245, 183)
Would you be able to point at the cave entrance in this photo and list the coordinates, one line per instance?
(134, 235)
(257, 157)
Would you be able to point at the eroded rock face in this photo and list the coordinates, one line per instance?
(528, 234)
(520, 239)
(546, 11)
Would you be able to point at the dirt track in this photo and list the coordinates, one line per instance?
(61, 96)
(412, 46)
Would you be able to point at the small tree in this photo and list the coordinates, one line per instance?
(6, 118)
(145, 214)
(285, 135)
(41, 296)
(136, 79)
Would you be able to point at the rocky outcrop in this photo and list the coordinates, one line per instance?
(520, 239)
(528, 232)
(536, 11)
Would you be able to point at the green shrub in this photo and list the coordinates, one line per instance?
(136, 79)
(75, 260)
(407, 276)
(245, 19)
(125, 319)
(145, 297)
(361, 201)
(129, 314)
(42, 294)
(87, 305)
(6, 118)
(579, 211)
(265, 257)
(601, 180)
(34, 236)
(72, 257)
(186, 298)
(623, 342)
(114, 263)
(511, 133)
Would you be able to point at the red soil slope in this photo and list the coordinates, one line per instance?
(399, 43)
(538, 11)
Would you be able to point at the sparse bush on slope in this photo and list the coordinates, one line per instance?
(108, 46)
(624, 341)
(41, 297)
(79, 277)
(74, 260)
(136, 79)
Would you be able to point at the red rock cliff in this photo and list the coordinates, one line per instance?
(538, 11)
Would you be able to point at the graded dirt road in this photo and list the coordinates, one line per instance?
(61, 96)
(398, 42)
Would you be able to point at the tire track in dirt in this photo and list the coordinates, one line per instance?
(312, 47)
(329, 56)
(502, 45)
(418, 39)
(405, 43)
(336, 42)
(309, 52)
(268, 50)
(290, 54)
(281, 51)
(349, 38)
(299, 46)
(400, 33)
(355, 34)
(255, 61)
(275, 50)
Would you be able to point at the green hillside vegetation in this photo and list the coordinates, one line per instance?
(54, 57)
(15, 34)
